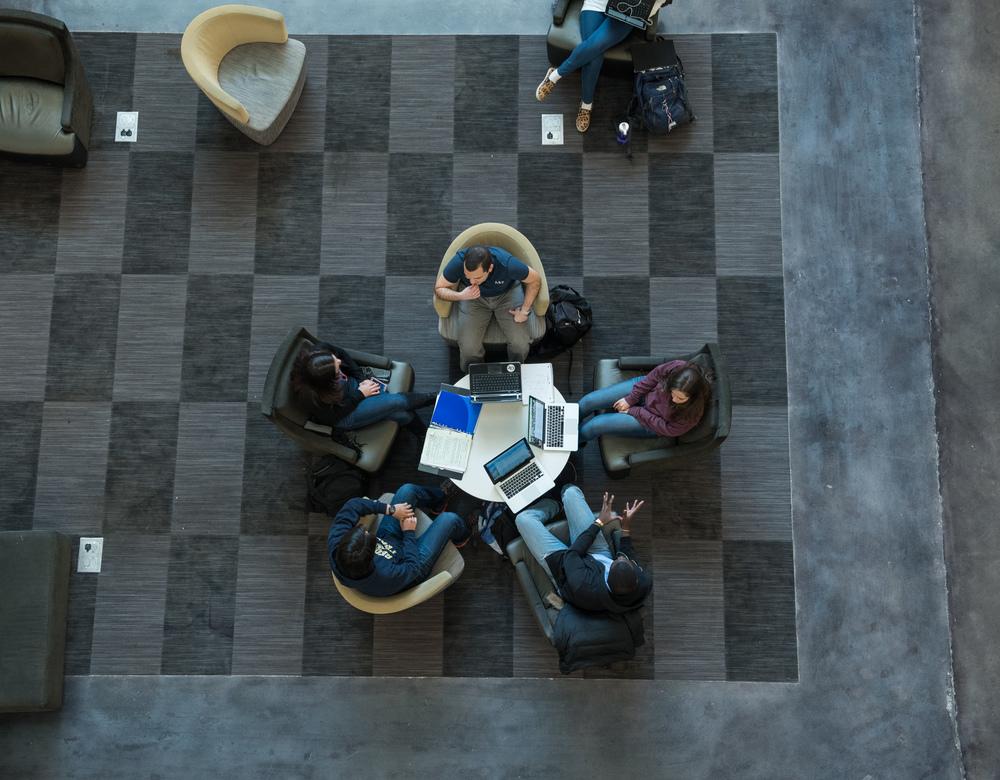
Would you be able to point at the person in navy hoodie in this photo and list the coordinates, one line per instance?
(393, 558)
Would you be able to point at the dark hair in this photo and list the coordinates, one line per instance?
(623, 577)
(314, 377)
(477, 257)
(355, 553)
(690, 379)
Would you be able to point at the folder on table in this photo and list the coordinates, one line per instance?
(449, 437)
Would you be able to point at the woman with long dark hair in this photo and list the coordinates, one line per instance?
(669, 401)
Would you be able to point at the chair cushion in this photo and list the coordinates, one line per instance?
(448, 328)
(31, 52)
(31, 118)
(263, 77)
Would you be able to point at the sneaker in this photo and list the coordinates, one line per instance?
(542, 90)
(583, 120)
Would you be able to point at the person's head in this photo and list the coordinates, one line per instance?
(478, 264)
(623, 577)
(316, 372)
(355, 553)
(688, 388)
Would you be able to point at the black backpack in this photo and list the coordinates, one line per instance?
(568, 319)
(332, 483)
(659, 100)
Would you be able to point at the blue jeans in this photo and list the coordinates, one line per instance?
(375, 408)
(447, 526)
(598, 33)
(613, 423)
(542, 542)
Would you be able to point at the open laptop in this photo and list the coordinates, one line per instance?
(553, 426)
(634, 12)
(518, 476)
(492, 382)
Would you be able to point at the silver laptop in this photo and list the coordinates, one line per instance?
(518, 476)
(553, 426)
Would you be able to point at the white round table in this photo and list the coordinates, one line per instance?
(501, 425)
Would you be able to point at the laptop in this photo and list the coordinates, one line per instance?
(495, 382)
(634, 12)
(553, 426)
(518, 476)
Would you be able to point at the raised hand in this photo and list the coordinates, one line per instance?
(630, 512)
(607, 513)
(369, 388)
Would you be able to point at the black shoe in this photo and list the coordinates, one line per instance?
(420, 400)
(416, 427)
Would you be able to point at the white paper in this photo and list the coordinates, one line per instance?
(536, 380)
(552, 129)
(446, 449)
(127, 127)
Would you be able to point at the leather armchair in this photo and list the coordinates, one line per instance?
(46, 106)
(280, 407)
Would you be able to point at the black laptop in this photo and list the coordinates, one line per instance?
(492, 382)
(634, 12)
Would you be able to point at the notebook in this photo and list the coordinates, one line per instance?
(449, 436)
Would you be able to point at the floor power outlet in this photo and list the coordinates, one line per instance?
(91, 553)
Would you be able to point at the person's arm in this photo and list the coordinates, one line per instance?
(532, 282)
(651, 380)
(659, 425)
(446, 286)
(408, 572)
(349, 515)
(581, 545)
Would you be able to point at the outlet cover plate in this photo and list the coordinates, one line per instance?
(91, 553)
(552, 129)
(127, 127)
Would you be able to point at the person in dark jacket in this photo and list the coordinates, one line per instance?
(588, 574)
(334, 391)
(393, 558)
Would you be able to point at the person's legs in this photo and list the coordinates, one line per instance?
(473, 318)
(605, 397)
(516, 334)
(447, 526)
(581, 517)
(599, 33)
(420, 496)
(540, 541)
(384, 406)
(614, 424)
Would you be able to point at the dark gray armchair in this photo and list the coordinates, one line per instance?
(279, 406)
(45, 102)
(620, 454)
(564, 36)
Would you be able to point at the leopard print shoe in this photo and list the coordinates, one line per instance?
(583, 120)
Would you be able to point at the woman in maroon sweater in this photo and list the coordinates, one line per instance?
(669, 401)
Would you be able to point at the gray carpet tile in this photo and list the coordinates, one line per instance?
(615, 215)
(760, 611)
(138, 493)
(108, 60)
(158, 213)
(409, 643)
(355, 194)
(357, 93)
(484, 189)
(223, 212)
(270, 605)
(532, 64)
(82, 337)
(549, 192)
(478, 617)
(336, 637)
(19, 463)
(25, 314)
(29, 230)
(689, 611)
(611, 101)
(208, 477)
(215, 133)
(752, 337)
(150, 348)
(280, 303)
(419, 212)
(289, 211)
(747, 215)
(200, 608)
(131, 601)
(411, 330)
(683, 313)
(217, 338)
(352, 311)
(687, 500)
(486, 93)
(92, 215)
(72, 465)
(756, 494)
(274, 480)
(681, 215)
(621, 303)
(306, 129)
(745, 92)
(79, 615)
(164, 95)
(695, 52)
(422, 102)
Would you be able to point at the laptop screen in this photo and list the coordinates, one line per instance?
(508, 461)
(536, 421)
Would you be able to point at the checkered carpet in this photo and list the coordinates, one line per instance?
(141, 300)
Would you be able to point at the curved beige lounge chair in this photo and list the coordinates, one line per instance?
(241, 57)
(446, 570)
(515, 242)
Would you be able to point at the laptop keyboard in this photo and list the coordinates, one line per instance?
(554, 425)
(521, 480)
(495, 383)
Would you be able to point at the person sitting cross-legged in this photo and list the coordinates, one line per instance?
(393, 558)
(588, 573)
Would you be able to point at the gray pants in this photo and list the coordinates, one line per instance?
(474, 318)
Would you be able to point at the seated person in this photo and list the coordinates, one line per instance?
(333, 390)
(494, 278)
(588, 574)
(393, 558)
(669, 401)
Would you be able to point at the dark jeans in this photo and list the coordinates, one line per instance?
(447, 526)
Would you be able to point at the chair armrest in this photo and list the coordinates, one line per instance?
(559, 8)
(334, 447)
(648, 456)
(634, 363)
(369, 359)
(78, 104)
(442, 307)
(537, 605)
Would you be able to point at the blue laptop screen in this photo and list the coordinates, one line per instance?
(509, 461)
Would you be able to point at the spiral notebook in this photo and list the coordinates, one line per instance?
(449, 436)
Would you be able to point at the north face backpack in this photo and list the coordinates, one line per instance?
(568, 319)
(659, 100)
(332, 483)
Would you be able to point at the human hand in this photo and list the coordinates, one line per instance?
(607, 513)
(369, 388)
(629, 513)
(402, 511)
(409, 524)
(621, 405)
(519, 316)
(470, 293)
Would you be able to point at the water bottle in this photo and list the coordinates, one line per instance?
(624, 134)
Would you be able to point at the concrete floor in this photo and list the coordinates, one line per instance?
(875, 696)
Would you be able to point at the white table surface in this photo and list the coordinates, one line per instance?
(499, 426)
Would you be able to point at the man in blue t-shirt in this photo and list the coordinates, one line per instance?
(487, 283)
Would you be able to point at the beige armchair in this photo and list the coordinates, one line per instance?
(446, 570)
(505, 237)
(241, 57)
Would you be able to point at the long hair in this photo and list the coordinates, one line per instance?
(690, 379)
(315, 378)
